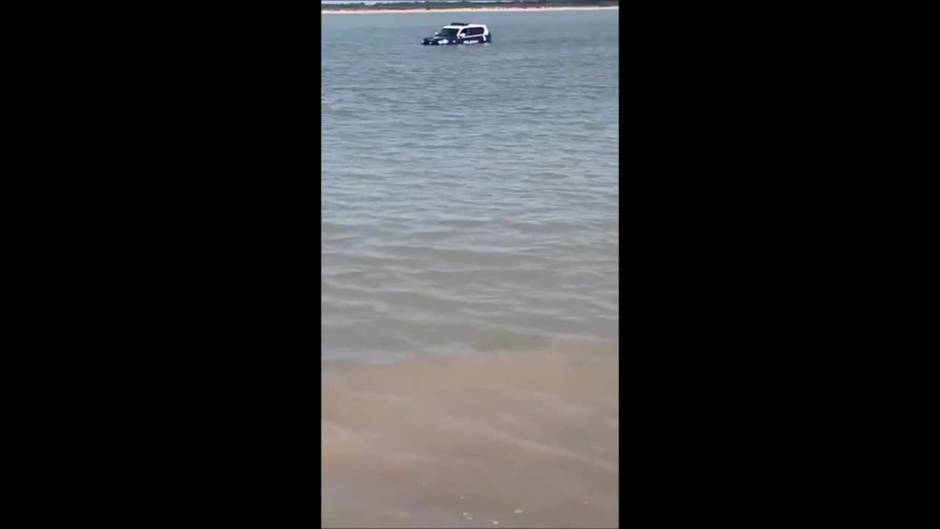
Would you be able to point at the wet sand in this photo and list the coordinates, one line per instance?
(462, 10)
(522, 439)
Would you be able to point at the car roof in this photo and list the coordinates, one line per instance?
(462, 25)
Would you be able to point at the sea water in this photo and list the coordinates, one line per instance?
(470, 271)
(469, 193)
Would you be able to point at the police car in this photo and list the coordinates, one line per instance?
(460, 33)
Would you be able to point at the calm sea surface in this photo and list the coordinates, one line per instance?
(469, 194)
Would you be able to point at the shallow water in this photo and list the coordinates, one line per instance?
(470, 271)
(418, 443)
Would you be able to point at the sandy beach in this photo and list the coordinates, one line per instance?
(514, 440)
(461, 10)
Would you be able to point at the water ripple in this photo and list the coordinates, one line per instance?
(470, 196)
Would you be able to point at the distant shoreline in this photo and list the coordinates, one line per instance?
(373, 10)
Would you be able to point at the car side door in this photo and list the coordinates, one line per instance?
(473, 35)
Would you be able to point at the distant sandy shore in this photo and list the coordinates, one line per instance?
(460, 10)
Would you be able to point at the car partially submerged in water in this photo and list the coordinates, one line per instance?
(460, 33)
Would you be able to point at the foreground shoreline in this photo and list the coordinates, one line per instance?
(520, 439)
(372, 11)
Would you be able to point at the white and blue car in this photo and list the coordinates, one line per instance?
(460, 33)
